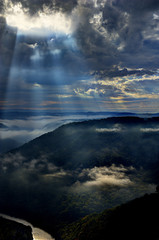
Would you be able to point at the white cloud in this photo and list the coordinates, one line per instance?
(59, 174)
(149, 129)
(89, 93)
(37, 85)
(100, 176)
(43, 24)
(108, 130)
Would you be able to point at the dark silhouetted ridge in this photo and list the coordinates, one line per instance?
(12, 230)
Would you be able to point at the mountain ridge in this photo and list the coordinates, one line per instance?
(82, 141)
(12, 230)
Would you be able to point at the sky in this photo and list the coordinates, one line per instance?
(79, 55)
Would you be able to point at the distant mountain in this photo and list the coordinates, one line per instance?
(20, 114)
(134, 220)
(119, 140)
(12, 230)
(3, 125)
(8, 144)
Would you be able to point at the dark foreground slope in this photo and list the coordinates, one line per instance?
(135, 220)
(11, 230)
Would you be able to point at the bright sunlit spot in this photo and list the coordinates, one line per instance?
(43, 24)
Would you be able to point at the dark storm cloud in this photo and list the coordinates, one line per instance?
(95, 47)
(1, 6)
(139, 22)
(136, 6)
(34, 6)
(115, 71)
(114, 33)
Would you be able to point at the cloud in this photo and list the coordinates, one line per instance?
(119, 29)
(151, 130)
(103, 130)
(84, 40)
(32, 7)
(58, 174)
(15, 161)
(11, 161)
(117, 71)
(2, 6)
(104, 176)
(100, 29)
(130, 86)
(107, 33)
(44, 23)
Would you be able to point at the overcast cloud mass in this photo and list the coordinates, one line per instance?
(79, 55)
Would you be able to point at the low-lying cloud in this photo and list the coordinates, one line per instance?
(25, 129)
(103, 130)
(147, 130)
(105, 176)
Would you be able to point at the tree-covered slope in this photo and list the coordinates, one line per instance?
(121, 140)
(135, 220)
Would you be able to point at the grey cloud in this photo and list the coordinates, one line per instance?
(136, 6)
(116, 71)
(1, 6)
(95, 47)
(118, 37)
(11, 161)
(127, 24)
(34, 6)
(7, 44)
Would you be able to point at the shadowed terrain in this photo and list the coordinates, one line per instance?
(134, 220)
(79, 169)
(12, 230)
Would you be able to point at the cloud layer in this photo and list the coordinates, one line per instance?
(105, 51)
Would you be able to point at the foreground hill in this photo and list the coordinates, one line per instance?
(137, 219)
(12, 230)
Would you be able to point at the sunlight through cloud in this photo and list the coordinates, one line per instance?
(42, 24)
